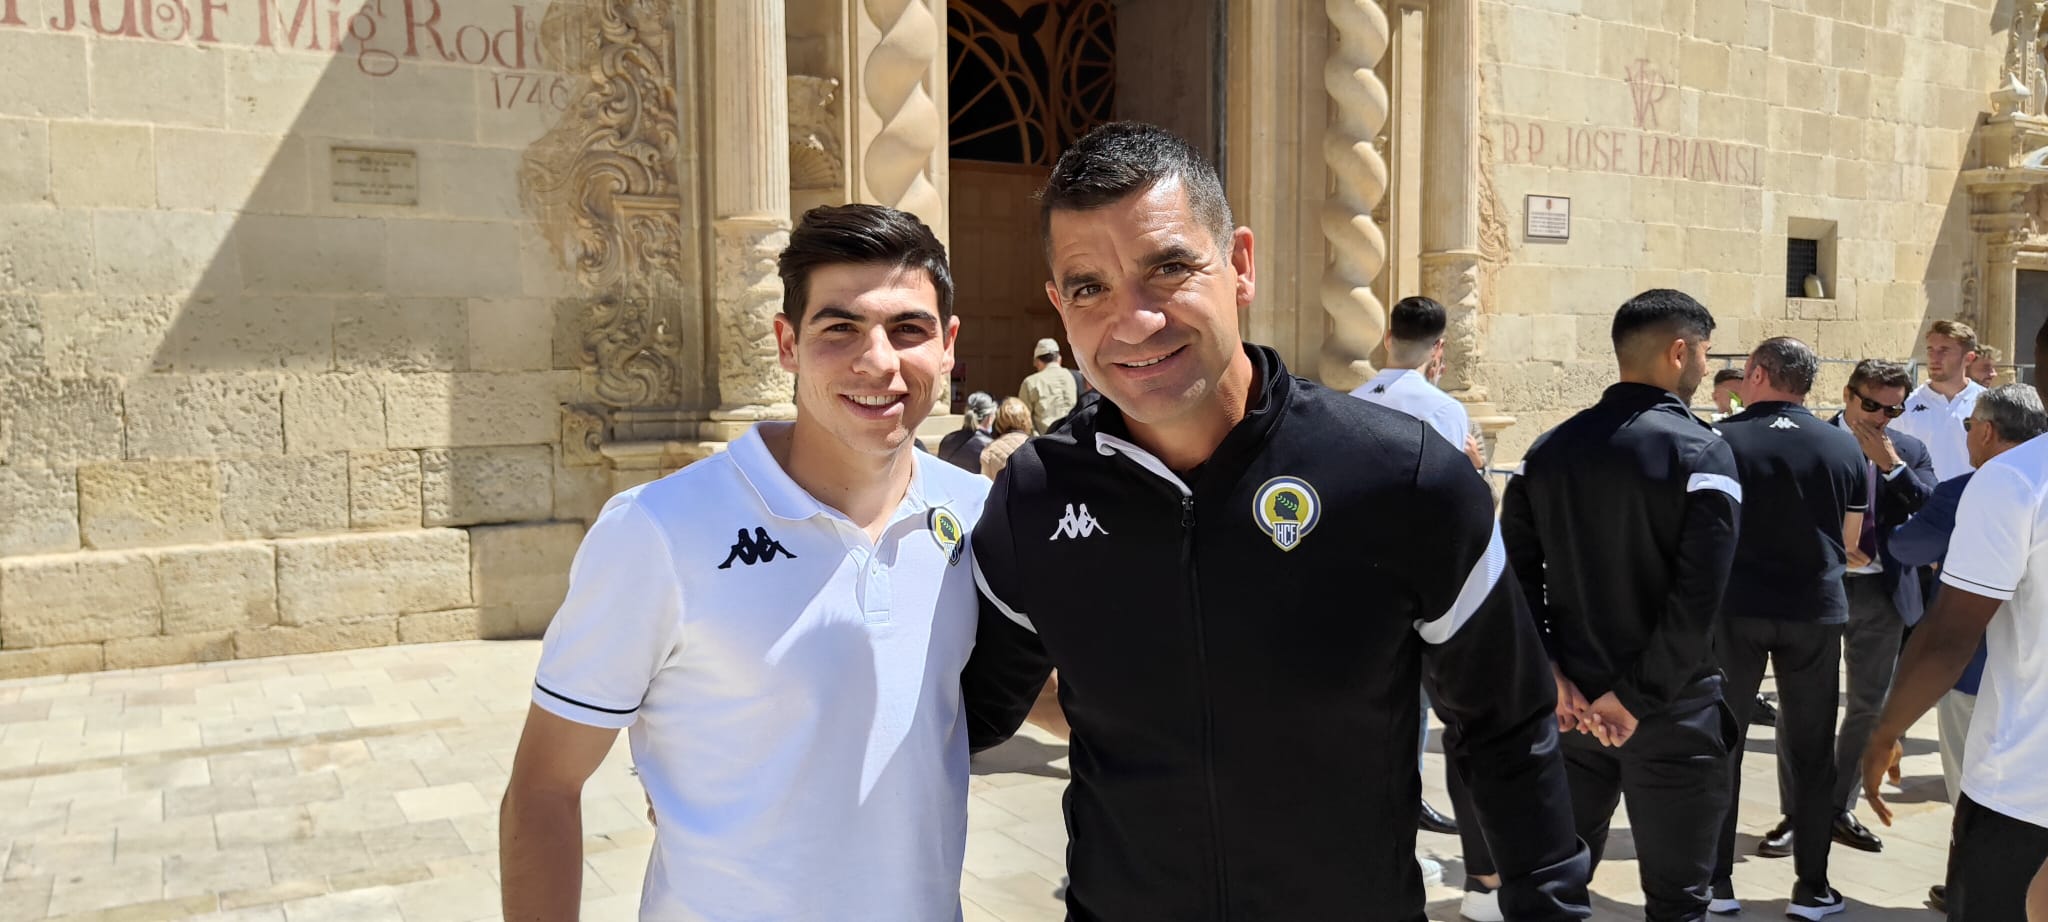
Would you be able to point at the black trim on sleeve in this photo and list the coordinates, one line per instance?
(556, 694)
(1950, 574)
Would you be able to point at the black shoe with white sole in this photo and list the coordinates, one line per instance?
(1724, 902)
(1807, 904)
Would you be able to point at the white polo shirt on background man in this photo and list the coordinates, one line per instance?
(1407, 390)
(1938, 421)
(2000, 551)
(791, 690)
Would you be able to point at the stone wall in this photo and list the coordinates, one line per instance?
(280, 367)
(1692, 138)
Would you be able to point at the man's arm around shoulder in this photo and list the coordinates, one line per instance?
(540, 822)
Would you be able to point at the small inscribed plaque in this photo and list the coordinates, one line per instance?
(1549, 217)
(376, 177)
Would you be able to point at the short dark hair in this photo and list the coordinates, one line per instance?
(1791, 364)
(1880, 372)
(1726, 375)
(1416, 319)
(1121, 158)
(1663, 311)
(831, 235)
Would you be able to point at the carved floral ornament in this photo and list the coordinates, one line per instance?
(603, 182)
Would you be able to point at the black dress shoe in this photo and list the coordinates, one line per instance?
(1851, 833)
(1433, 820)
(1778, 842)
(1937, 897)
(1764, 714)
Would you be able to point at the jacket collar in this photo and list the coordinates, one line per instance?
(1643, 396)
(1101, 426)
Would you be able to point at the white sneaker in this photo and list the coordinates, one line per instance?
(1481, 906)
(1432, 871)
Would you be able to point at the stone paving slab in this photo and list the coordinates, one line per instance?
(364, 786)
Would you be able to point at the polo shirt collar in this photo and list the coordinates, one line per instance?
(784, 499)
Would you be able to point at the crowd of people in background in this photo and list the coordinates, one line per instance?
(989, 432)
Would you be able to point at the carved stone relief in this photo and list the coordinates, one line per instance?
(815, 158)
(604, 184)
(751, 384)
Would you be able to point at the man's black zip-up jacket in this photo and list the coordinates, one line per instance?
(1240, 648)
(1621, 525)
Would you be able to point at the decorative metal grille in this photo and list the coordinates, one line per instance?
(1026, 78)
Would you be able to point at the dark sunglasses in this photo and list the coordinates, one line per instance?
(1872, 406)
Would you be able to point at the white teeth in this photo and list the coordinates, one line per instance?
(879, 400)
(1143, 364)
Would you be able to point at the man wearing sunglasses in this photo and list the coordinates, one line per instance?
(1884, 596)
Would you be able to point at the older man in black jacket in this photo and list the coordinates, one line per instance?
(1884, 597)
(1241, 664)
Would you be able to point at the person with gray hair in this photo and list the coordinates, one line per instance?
(2003, 419)
(1806, 494)
(962, 447)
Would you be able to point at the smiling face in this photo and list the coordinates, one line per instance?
(869, 354)
(1150, 300)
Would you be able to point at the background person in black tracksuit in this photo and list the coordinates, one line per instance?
(1885, 597)
(1621, 526)
(1240, 669)
(1805, 492)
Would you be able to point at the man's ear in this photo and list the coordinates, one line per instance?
(1676, 353)
(1052, 293)
(952, 337)
(785, 342)
(1247, 269)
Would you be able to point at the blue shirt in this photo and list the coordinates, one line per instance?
(1923, 540)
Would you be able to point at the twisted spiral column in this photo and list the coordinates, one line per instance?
(896, 168)
(1358, 249)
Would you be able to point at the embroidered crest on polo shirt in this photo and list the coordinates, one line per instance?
(756, 548)
(947, 532)
(1286, 509)
(1077, 524)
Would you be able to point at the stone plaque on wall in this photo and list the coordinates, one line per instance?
(376, 177)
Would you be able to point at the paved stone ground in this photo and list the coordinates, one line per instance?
(365, 785)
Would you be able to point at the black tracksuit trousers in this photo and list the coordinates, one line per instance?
(1807, 660)
(1674, 775)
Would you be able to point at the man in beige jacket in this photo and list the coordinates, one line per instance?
(1050, 392)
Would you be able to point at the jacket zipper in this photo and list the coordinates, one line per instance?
(1110, 445)
(1187, 524)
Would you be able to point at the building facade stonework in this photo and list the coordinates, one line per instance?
(329, 324)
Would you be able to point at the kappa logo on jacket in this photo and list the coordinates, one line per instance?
(1077, 524)
(1783, 422)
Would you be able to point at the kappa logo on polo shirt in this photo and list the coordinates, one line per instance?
(1077, 524)
(755, 548)
(1918, 407)
(1784, 422)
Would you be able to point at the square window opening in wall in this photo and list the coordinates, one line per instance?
(1810, 259)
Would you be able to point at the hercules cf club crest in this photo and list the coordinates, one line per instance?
(947, 532)
(1286, 509)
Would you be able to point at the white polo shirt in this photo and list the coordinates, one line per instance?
(791, 691)
(1938, 421)
(1407, 390)
(2000, 550)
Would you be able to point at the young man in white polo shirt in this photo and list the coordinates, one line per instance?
(1935, 410)
(781, 628)
(1995, 589)
(1415, 360)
